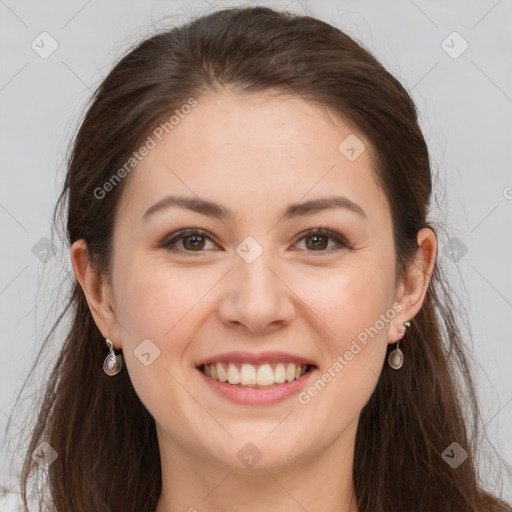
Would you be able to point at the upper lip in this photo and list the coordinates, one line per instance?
(259, 358)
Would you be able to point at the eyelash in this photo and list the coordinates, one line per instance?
(184, 233)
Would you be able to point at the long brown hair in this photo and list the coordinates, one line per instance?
(108, 457)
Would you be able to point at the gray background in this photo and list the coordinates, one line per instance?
(465, 103)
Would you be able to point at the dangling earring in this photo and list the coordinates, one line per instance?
(396, 358)
(112, 364)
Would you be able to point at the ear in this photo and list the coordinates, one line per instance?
(413, 288)
(97, 292)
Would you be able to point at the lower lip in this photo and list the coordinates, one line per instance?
(255, 396)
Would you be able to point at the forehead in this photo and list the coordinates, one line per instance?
(261, 125)
(251, 150)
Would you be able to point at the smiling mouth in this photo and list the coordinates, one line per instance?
(259, 376)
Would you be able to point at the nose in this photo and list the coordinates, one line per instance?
(255, 297)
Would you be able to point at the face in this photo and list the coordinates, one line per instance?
(254, 285)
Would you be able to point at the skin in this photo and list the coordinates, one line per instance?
(255, 155)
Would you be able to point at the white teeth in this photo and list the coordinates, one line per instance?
(265, 375)
(290, 372)
(255, 375)
(279, 373)
(248, 374)
(233, 375)
(221, 372)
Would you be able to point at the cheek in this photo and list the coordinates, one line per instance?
(153, 302)
(158, 319)
(355, 309)
(349, 300)
(160, 311)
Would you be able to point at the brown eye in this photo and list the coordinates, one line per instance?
(187, 241)
(317, 240)
(194, 242)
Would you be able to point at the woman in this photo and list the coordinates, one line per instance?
(258, 320)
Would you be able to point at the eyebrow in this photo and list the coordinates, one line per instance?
(209, 208)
